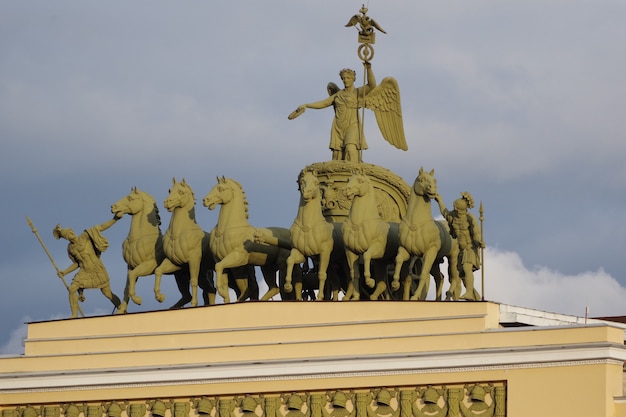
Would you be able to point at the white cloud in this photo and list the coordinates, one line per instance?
(14, 343)
(509, 281)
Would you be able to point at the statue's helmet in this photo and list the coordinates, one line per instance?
(205, 406)
(248, 404)
(158, 408)
(477, 393)
(294, 402)
(137, 410)
(460, 204)
(340, 399)
(29, 412)
(431, 396)
(383, 397)
(94, 411)
(181, 409)
(114, 410)
(72, 411)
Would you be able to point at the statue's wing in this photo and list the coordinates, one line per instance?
(332, 88)
(353, 20)
(384, 101)
(377, 26)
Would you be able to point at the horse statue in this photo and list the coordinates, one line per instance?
(185, 244)
(143, 248)
(232, 240)
(311, 233)
(366, 234)
(422, 236)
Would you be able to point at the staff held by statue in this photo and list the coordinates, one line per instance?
(367, 37)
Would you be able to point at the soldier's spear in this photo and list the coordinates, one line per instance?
(54, 264)
(482, 252)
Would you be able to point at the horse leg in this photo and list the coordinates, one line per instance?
(322, 272)
(141, 270)
(402, 256)
(238, 280)
(367, 271)
(205, 282)
(195, 259)
(380, 272)
(427, 262)
(295, 256)
(166, 267)
(253, 285)
(269, 275)
(298, 282)
(232, 260)
(182, 282)
(438, 277)
(352, 293)
(123, 308)
(221, 282)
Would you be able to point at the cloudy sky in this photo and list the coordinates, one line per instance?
(520, 103)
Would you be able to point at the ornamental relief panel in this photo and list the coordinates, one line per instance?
(469, 400)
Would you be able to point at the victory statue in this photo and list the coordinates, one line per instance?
(346, 136)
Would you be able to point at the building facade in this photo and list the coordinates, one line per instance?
(319, 359)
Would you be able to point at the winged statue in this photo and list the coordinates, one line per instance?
(347, 140)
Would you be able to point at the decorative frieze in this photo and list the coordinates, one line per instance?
(483, 399)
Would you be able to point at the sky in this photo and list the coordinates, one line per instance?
(519, 103)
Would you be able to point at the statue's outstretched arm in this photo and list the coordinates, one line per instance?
(265, 236)
(107, 224)
(322, 104)
(440, 203)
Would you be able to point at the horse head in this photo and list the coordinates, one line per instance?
(358, 185)
(135, 202)
(309, 186)
(225, 191)
(221, 193)
(425, 184)
(180, 196)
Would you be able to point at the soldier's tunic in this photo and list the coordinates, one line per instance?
(86, 253)
(465, 230)
(346, 128)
